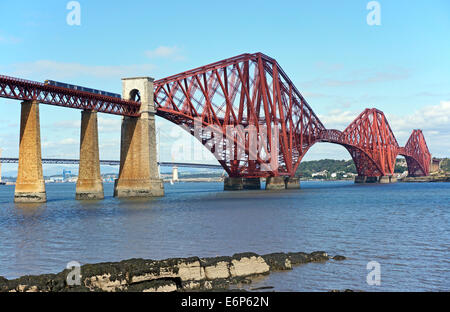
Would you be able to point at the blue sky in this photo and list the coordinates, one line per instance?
(340, 63)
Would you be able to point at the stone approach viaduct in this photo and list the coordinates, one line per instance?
(249, 89)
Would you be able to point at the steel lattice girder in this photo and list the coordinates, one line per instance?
(417, 155)
(371, 134)
(370, 141)
(26, 90)
(247, 90)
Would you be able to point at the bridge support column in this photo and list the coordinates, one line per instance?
(381, 180)
(275, 183)
(237, 184)
(89, 183)
(30, 186)
(251, 183)
(292, 183)
(138, 175)
(233, 184)
(364, 179)
(387, 179)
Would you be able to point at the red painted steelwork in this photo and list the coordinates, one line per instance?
(246, 90)
(26, 90)
(253, 91)
(418, 157)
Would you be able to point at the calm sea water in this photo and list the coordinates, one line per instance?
(404, 226)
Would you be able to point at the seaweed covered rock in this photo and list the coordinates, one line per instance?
(174, 274)
(278, 261)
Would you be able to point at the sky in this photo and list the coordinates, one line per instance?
(339, 62)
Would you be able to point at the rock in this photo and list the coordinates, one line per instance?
(247, 264)
(190, 269)
(345, 290)
(298, 258)
(318, 256)
(261, 288)
(278, 261)
(216, 268)
(175, 274)
(158, 285)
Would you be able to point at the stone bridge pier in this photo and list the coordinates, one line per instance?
(138, 173)
(382, 179)
(30, 186)
(272, 183)
(89, 183)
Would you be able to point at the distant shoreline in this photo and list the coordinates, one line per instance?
(426, 179)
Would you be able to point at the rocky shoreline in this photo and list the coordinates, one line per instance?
(175, 274)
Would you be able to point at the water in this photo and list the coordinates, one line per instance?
(403, 226)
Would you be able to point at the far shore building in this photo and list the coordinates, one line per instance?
(323, 173)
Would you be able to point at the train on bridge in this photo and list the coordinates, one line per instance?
(79, 88)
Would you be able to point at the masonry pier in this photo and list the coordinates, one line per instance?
(387, 179)
(233, 184)
(89, 183)
(138, 174)
(272, 183)
(292, 183)
(30, 186)
(236, 184)
(251, 183)
(382, 179)
(275, 183)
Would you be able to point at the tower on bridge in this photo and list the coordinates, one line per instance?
(138, 173)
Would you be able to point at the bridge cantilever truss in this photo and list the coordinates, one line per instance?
(247, 90)
(417, 155)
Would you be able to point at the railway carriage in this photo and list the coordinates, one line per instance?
(79, 88)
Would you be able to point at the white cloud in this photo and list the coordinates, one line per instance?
(72, 124)
(434, 118)
(173, 53)
(68, 141)
(61, 70)
(9, 40)
(106, 124)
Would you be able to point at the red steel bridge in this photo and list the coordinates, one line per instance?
(249, 89)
